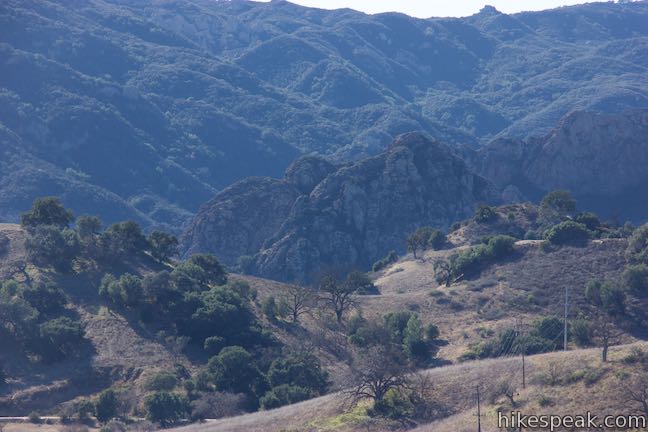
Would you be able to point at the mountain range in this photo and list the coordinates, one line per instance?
(145, 109)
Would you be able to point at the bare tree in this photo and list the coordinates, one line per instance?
(297, 301)
(20, 268)
(605, 333)
(376, 371)
(337, 295)
(637, 392)
(608, 301)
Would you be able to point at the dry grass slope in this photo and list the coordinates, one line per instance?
(557, 383)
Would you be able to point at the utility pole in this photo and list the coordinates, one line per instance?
(478, 411)
(523, 373)
(566, 310)
(518, 324)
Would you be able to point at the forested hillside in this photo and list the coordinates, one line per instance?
(145, 109)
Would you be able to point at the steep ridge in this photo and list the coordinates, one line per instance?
(238, 220)
(351, 215)
(600, 158)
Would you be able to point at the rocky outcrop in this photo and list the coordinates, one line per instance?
(363, 210)
(306, 173)
(347, 216)
(590, 154)
(239, 219)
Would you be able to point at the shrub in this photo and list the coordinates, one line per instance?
(568, 232)
(469, 262)
(589, 220)
(360, 283)
(414, 345)
(165, 408)
(34, 417)
(437, 239)
(85, 409)
(131, 289)
(472, 260)
(635, 278)
(432, 332)
(391, 258)
(549, 327)
(394, 405)
(59, 338)
(106, 406)
(269, 308)
(637, 355)
(485, 214)
(242, 288)
(637, 250)
(162, 381)
(532, 235)
(581, 332)
(545, 401)
(500, 246)
(555, 206)
(284, 395)
(606, 296)
(396, 323)
(425, 238)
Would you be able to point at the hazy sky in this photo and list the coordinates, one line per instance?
(436, 8)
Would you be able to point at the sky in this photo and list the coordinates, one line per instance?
(437, 8)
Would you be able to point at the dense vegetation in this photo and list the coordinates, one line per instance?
(191, 302)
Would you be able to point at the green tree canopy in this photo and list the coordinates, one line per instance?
(46, 211)
(215, 273)
(299, 369)
(166, 408)
(163, 246)
(234, 370)
(106, 405)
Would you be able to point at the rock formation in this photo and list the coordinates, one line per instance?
(348, 217)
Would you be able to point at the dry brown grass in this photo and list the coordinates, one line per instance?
(516, 291)
(584, 383)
